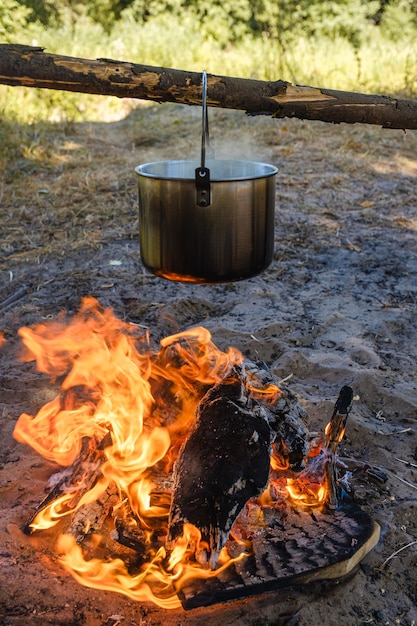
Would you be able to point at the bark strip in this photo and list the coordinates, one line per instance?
(32, 67)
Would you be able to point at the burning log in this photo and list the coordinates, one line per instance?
(286, 417)
(334, 434)
(317, 484)
(128, 533)
(294, 546)
(89, 518)
(32, 67)
(77, 479)
(224, 462)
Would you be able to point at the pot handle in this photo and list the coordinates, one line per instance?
(202, 173)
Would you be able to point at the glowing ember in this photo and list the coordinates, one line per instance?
(126, 411)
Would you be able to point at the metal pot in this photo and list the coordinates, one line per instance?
(206, 222)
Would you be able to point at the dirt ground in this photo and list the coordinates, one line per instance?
(337, 306)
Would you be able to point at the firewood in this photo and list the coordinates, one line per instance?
(127, 532)
(78, 478)
(226, 459)
(224, 462)
(318, 484)
(287, 419)
(89, 518)
(334, 434)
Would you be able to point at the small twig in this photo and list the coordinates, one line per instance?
(406, 462)
(20, 293)
(364, 464)
(395, 432)
(284, 380)
(402, 480)
(391, 556)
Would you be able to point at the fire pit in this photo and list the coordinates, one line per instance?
(190, 477)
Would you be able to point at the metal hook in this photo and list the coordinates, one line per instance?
(202, 173)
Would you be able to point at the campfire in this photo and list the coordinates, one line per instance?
(188, 475)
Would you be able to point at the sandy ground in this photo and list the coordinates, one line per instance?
(337, 306)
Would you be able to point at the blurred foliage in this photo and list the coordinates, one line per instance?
(13, 17)
(228, 21)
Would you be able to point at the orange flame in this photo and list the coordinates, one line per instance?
(311, 488)
(134, 407)
(157, 574)
(110, 383)
(306, 493)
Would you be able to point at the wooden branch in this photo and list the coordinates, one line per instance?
(78, 478)
(31, 67)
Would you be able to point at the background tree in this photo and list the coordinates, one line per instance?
(228, 21)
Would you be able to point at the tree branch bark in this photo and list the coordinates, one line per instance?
(32, 67)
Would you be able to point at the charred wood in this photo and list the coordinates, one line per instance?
(224, 462)
(295, 551)
(88, 519)
(131, 533)
(128, 533)
(318, 483)
(334, 434)
(76, 479)
(287, 419)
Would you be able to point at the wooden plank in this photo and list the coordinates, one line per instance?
(292, 548)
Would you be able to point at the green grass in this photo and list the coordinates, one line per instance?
(380, 66)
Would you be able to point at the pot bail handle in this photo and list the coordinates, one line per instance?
(202, 173)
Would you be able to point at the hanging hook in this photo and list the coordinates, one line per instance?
(202, 173)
